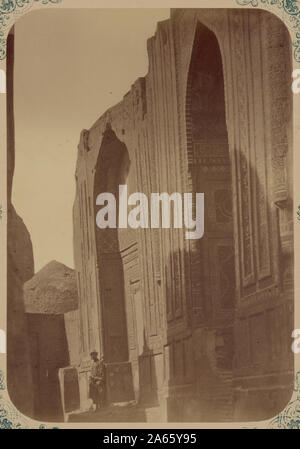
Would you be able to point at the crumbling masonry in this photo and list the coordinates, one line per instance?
(199, 328)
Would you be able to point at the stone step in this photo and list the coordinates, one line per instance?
(113, 413)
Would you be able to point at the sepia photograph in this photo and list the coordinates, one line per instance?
(150, 215)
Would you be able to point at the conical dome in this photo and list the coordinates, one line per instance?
(53, 290)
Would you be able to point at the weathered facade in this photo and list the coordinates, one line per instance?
(200, 328)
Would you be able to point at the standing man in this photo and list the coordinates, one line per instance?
(97, 381)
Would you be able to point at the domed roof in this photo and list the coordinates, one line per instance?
(53, 290)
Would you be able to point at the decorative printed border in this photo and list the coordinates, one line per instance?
(289, 418)
(10, 417)
(9, 10)
(288, 11)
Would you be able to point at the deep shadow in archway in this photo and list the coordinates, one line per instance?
(111, 171)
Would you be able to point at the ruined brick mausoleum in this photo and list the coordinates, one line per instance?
(200, 329)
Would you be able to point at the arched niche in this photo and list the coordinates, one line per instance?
(112, 169)
(213, 274)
